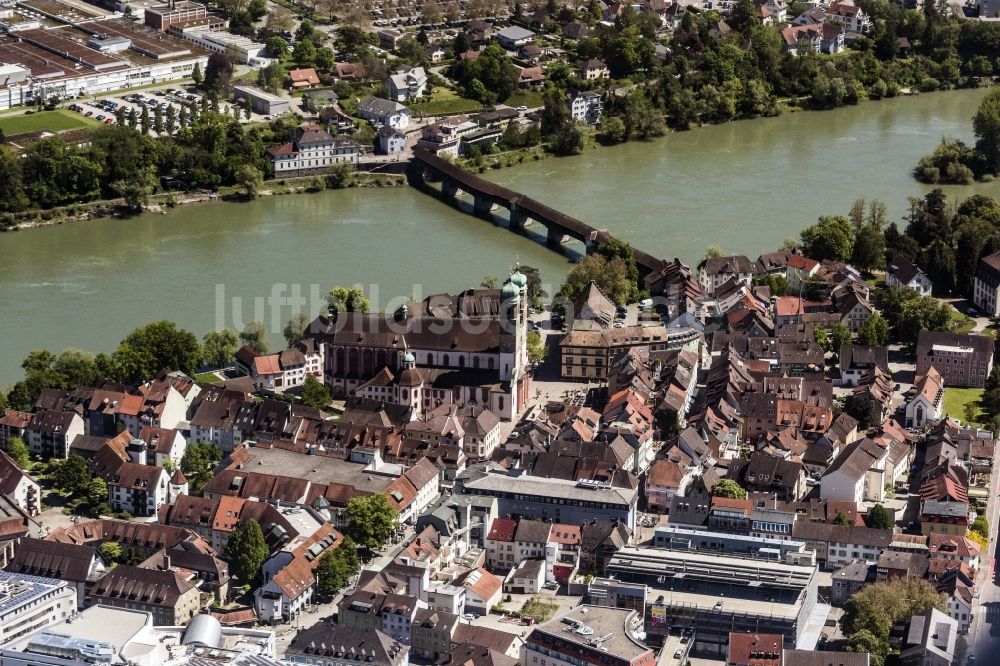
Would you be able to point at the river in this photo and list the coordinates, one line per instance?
(744, 186)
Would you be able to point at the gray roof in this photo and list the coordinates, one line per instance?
(541, 487)
(379, 107)
(335, 640)
(953, 509)
(532, 531)
(515, 33)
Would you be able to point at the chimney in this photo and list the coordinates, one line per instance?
(166, 562)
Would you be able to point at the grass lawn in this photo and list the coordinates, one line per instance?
(540, 610)
(528, 98)
(961, 322)
(59, 120)
(955, 399)
(444, 102)
(207, 377)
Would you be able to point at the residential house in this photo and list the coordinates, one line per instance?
(527, 577)
(171, 598)
(986, 288)
(50, 432)
(350, 71)
(901, 273)
(380, 112)
(849, 579)
(925, 402)
(963, 359)
(13, 424)
(163, 444)
(958, 589)
(930, 639)
(944, 517)
(19, 487)
(332, 644)
(667, 478)
(390, 140)
(482, 590)
(954, 548)
(500, 544)
(851, 476)
(514, 37)
(754, 649)
(530, 77)
(311, 150)
(813, 38)
(786, 479)
(716, 271)
(407, 85)
(594, 69)
(585, 106)
(855, 20)
(137, 488)
(856, 361)
(158, 405)
(290, 575)
(79, 565)
(304, 78)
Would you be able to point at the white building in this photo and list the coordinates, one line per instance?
(586, 106)
(931, 639)
(19, 487)
(51, 432)
(852, 476)
(407, 85)
(986, 289)
(250, 52)
(390, 140)
(31, 603)
(926, 403)
(289, 575)
(380, 112)
(164, 444)
(902, 273)
(311, 150)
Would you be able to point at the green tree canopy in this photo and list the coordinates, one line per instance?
(612, 277)
(831, 238)
(246, 551)
(198, 463)
(879, 518)
(729, 488)
(111, 551)
(986, 125)
(337, 567)
(314, 393)
(874, 332)
(347, 299)
(373, 520)
(155, 346)
(254, 335)
(18, 452)
(219, 347)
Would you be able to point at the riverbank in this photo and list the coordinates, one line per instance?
(159, 203)
(510, 158)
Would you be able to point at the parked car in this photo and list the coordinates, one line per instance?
(678, 654)
(99, 116)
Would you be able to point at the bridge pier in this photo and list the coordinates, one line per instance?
(449, 187)
(482, 204)
(555, 237)
(518, 220)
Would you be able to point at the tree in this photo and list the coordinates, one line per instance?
(878, 518)
(111, 551)
(218, 76)
(986, 125)
(866, 641)
(347, 299)
(246, 551)
(841, 519)
(155, 346)
(304, 53)
(728, 488)
(219, 347)
(97, 492)
(612, 130)
(869, 248)
(874, 332)
(610, 276)
(18, 451)
(372, 520)
(870, 613)
(277, 47)
(254, 336)
(314, 393)
(251, 180)
(534, 287)
(325, 60)
(196, 75)
(296, 328)
(831, 238)
(840, 335)
(537, 351)
(980, 526)
(198, 463)
(490, 282)
(135, 189)
(713, 252)
(72, 475)
(336, 568)
(777, 284)
(820, 337)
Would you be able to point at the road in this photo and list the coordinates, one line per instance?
(984, 635)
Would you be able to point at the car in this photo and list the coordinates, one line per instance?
(679, 654)
(971, 311)
(469, 616)
(522, 108)
(618, 324)
(718, 605)
(100, 116)
(89, 113)
(108, 121)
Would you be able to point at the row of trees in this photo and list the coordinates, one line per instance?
(871, 613)
(212, 150)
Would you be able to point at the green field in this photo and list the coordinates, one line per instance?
(955, 399)
(528, 98)
(59, 120)
(445, 102)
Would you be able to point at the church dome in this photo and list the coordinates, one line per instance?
(509, 291)
(519, 279)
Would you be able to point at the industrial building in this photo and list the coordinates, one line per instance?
(54, 49)
(712, 595)
(261, 101)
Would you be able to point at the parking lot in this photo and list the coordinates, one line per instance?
(104, 108)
